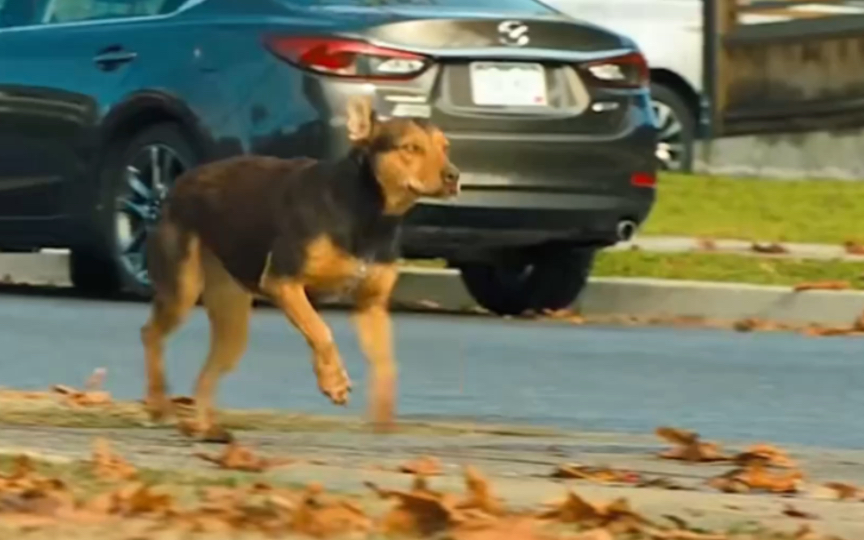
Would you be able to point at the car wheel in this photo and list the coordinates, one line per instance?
(135, 180)
(676, 129)
(548, 282)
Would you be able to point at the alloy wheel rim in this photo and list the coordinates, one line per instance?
(148, 178)
(671, 146)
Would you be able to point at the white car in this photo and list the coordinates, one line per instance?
(669, 32)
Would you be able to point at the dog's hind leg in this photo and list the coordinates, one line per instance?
(174, 267)
(376, 339)
(229, 307)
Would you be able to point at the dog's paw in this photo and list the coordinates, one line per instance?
(333, 380)
(160, 411)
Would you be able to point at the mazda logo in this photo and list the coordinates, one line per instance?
(513, 33)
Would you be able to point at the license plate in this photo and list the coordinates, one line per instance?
(513, 84)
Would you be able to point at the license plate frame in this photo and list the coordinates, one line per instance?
(509, 84)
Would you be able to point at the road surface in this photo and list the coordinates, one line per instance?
(782, 388)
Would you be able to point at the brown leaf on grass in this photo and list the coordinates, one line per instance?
(423, 465)
(239, 458)
(596, 474)
(773, 248)
(757, 478)
(764, 454)
(822, 286)
(320, 517)
(688, 446)
(616, 516)
(791, 511)
(108, 465)
(853, 248)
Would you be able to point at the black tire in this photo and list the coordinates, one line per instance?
(551, 281)
(101, 266)
(671, 101)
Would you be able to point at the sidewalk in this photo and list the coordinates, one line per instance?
(684, 244)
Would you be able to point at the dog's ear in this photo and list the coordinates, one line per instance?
(361, 119)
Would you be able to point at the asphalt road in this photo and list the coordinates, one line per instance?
(782, 388)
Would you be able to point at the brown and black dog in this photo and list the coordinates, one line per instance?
(255, 226)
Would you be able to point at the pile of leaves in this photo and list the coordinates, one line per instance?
(30, 501)
(759, 468)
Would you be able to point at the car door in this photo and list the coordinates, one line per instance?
(60, 63)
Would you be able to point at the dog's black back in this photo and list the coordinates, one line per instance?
(248, 208)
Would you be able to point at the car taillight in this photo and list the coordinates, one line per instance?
(627, 71)
(642, 179)
(347, 57)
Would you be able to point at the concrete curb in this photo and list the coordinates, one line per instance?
(442, 289)
(660, 298)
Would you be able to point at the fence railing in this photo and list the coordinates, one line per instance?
(783, 66)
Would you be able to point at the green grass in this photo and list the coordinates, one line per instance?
(821, 211)
(725, 267)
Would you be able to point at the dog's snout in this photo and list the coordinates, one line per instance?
(451, 174)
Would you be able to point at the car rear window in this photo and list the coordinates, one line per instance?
(509, 6)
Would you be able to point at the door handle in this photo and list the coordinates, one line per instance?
(113, 56)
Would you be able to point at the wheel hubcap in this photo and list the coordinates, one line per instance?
(670, 137)
(148, 177)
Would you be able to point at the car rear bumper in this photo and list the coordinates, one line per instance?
(480, 222)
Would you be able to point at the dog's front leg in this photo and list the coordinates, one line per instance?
(376, 339)
(290, 297)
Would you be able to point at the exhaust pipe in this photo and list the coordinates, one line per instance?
(625, 230)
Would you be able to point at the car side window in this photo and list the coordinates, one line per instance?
(65, 11)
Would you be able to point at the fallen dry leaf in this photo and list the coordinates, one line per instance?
(815, 330)
(764, 454)
(772, 248)
(661, 483)
(108, 465)
(320, 517)
(564, 315)
(239, 458)
(92, 395)
(853, 248)
(688, 446)
(791, 511)
(822, 286)
(757, 478)
(423, 465)
(616, 516)
(479, 494)
(510, 528)
(706, 244)
(417, 512)
(595, 474)
(757, 325)
(844, 492)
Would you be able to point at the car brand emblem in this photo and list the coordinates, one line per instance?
(513, 34)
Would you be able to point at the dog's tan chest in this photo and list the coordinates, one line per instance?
(328, 268)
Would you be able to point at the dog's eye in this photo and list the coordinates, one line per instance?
(413, 148)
